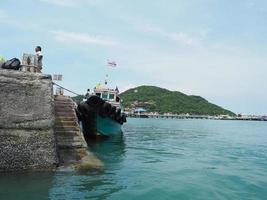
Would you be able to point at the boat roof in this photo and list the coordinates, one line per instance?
(105, 90)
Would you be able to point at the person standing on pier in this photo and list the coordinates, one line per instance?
(2, 60)
(39, 55)
(87, 95)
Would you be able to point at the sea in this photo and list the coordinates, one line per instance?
(161, 159)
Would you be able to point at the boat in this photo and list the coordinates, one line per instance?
(100, 114)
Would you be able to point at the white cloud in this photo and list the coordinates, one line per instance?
(126, 86)
(71, 3)
(250, 3)
(67, 3)
(179, 37)
(3, 16)
(208, 71)
(84, 38)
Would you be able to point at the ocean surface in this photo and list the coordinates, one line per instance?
(162, 159)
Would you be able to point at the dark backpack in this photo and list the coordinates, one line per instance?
(13, 63)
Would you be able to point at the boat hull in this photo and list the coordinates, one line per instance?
(99, 118)
(107, 127)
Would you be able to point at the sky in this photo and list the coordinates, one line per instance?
(212, 48)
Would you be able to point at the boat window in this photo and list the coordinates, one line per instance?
(98, 94)
(111, 96)
(104, 95)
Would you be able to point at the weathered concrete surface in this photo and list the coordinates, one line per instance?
(26, 100)
(27, 138)
(27, 149)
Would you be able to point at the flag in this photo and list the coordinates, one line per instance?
(112, 63)
(117, 89)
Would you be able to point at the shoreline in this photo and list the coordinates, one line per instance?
(176, 116)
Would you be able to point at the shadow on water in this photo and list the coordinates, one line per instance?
(25, 186)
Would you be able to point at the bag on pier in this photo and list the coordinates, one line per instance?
(13, 63)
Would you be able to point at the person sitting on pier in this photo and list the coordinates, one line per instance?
(39, 55)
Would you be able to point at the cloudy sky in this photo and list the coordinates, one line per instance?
(212, 48)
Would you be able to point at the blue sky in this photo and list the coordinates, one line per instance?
(212, 48)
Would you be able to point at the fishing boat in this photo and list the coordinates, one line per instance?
(100, 114)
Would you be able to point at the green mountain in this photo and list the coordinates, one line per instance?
(155, 99)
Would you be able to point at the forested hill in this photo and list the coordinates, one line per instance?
(155, 99)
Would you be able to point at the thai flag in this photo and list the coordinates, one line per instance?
(112, 63)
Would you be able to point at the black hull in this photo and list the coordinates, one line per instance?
(88, 112)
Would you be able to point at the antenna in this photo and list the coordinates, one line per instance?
(106, 79)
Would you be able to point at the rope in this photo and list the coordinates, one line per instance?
(67, 89)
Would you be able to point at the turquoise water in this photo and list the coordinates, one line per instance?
(162, 159)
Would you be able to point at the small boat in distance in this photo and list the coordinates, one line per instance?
(101, 113)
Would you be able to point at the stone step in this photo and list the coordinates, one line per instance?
(66, 118)
(65, 123)
(65, 114)
(62, 110)
(62, 144)
(66, 128)
(61, 97)
(69, 138)
(64, 102)
(63, 105)
(68, 133)
(71, 117)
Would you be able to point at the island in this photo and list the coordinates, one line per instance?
(160, 100)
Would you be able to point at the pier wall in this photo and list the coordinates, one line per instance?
(27, 139)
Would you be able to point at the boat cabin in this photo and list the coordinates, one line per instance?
(109, 95)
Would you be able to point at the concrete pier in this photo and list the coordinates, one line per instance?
(27, 140)
(38, 132)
